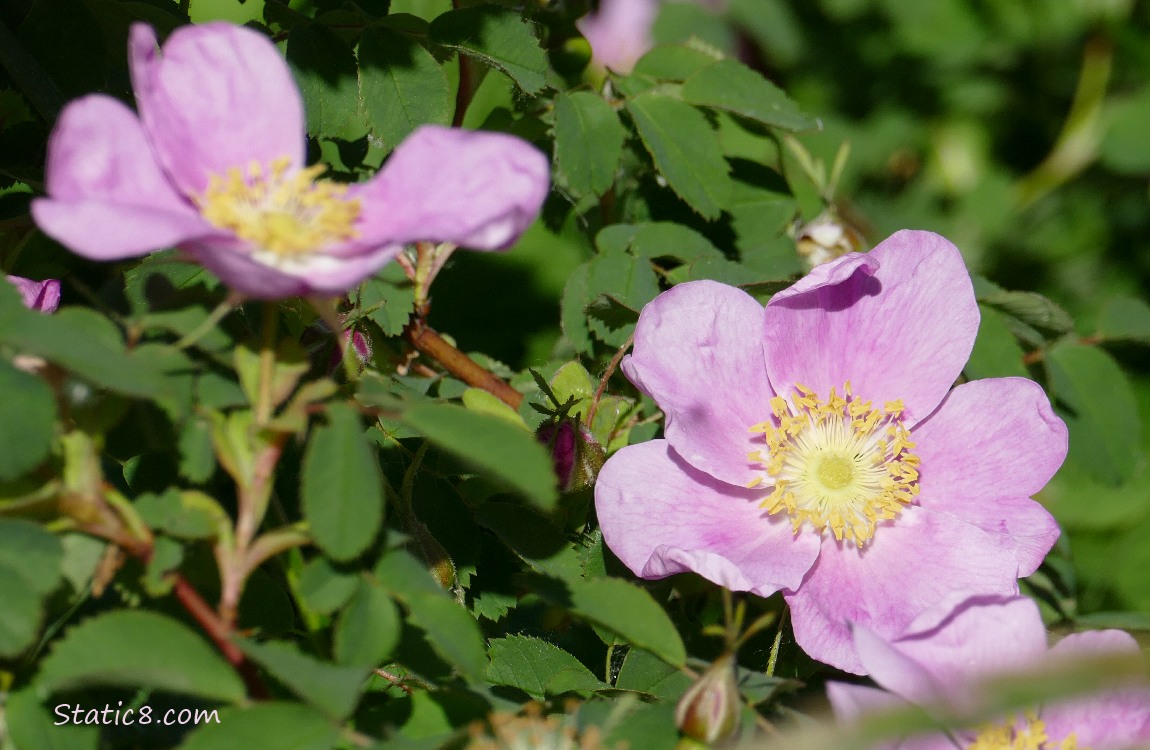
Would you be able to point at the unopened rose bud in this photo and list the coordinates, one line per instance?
(575, 454)
(360, 345)
(709, 711)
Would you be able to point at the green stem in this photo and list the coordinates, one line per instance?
(264, 405)
(1077, 144)
(229, 303)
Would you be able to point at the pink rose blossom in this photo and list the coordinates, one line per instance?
(619, 32)
(944, 657)
(214, 164)
(43, 296)
(816, 447)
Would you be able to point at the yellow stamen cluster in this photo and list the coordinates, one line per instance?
(838, 464)
(282, 210)
(1028, 735)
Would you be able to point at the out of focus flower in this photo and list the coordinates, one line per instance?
(38, 295)
(214, 164)
(945, 660)
(531, 730)
(620, 30)
(816, 447)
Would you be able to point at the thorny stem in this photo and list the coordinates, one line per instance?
(611, 367)
(217, 628)
(220, 632)
(395, 680)
(428, 342)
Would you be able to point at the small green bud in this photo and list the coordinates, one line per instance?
(709, 711)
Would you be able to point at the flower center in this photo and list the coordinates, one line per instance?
(1025, 735)
(287, 212)
(839, 464)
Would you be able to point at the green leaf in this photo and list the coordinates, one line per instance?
(29, 403)
(629, 611)
(284, 726)
(324, 68)
(497, 37)
(323, 588)
(538, 668)
(186, 515)
(1032, 309)
(387, 303)
(340, 485)
(685, 150)
(1125, 319)
(368, 630)
(1094, 397)
(31, 553)
(334, 690)
(489, 443)
(588, 142)
(657, 239)
(403, 86)
(620, 285)
(21, 614)
(138, 649)
(451, 630)
(996, 351)
(485, 402)
(1124, 146)
(30, 569)
(31, 726)
(733, 87)
(644, 672)
(86, 343)
(573, 321)
(673, 62)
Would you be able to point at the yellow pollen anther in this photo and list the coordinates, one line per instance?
(283, 210)
(1028, 734)
(838, 464)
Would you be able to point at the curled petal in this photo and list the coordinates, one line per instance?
(910, 565)
(476, 190)
(698, 353)
(661, 516)
(989, 447)
(971, 639)
(901, 331)
(264, 275)
(216, 97)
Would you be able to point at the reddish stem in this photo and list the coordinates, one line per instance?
(220, 633)
(611, 367)
(459, 364)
